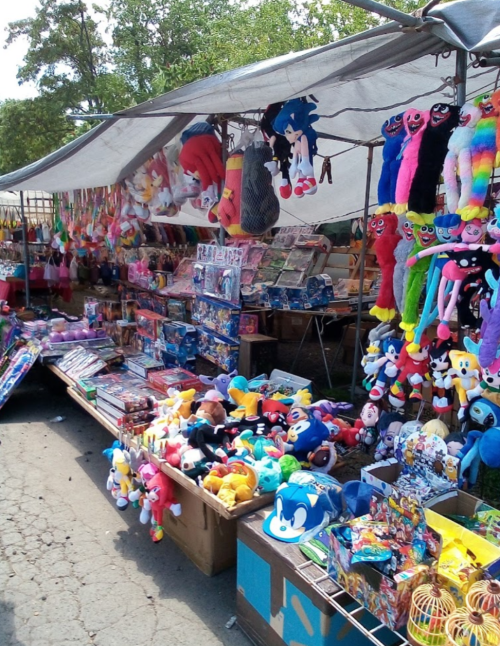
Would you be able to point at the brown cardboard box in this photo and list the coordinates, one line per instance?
(201, 533)
(291, 326)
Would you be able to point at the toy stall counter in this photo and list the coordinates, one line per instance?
(276, 605)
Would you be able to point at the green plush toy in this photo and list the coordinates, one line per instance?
(425, 237)
(289, 464)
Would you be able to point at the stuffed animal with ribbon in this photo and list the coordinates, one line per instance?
(401, 253)
(431, 155)
(374, 352)
(228, 211)
(412, 367)
(260, 207)
(464, 376)
(458, 160)
(440, 364)
(466, 258)
(281, 147)
(385, 229)
(415, 122)
(201, 158)
(389, 427)
(483, 153)
(294, 121)
(391, 349)
(394, 134)
(425, 238)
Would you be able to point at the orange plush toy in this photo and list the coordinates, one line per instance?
(201, 157)
(229, 207)
(387, 237)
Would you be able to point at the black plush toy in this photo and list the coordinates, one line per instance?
(282, 149)
(205, 437)
(431, 155)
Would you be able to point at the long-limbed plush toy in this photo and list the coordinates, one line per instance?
(431, 156)
(458, 159)
(282, 149)
(414, 122)
(387, 237)
(394, 134)
(483, 151)
(401, 253)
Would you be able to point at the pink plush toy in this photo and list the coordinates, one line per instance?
(160, 495)
(415, 122)
(174, 449)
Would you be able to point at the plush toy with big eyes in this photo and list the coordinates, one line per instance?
(401, 253)
(415, 122)
(464, 376)
(391, 349)
(458, 159)
(439, 355)
(281, 147)
(366, 424)
(384, 227)
(483, 152)
(412, 367)
(394, 134)
(431, 155)
(389, 427)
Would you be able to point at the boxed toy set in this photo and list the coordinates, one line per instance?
(217, 349)
(217, 316)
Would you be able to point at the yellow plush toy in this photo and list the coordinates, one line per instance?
(302, 397)
(464, 375)
(435, 427)
(236, 486)
(247, 403)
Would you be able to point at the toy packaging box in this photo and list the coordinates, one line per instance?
(160, 305)
(218, 281)
(216, 316)
(313, 241)
(176, 310)
(177, 378)
(274, 258)
(223, 352)
(179, 360)
(178, 336)
(254, 256)
(93, 312)
(142, 365)
(249, 324)
(291, 278)
(122, 396)
(129, 308)
(112, 311)
(149, 324)
(121, 332)
(301, 260)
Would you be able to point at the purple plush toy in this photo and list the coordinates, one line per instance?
(221, 382)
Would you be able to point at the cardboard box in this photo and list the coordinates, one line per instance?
(381, 475)
(276, 605)
(291, 326)
(201, 533)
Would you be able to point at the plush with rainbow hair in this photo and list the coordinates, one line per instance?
(431, 155)
(394, 134)
(425, 237)
(414, 122)
(401, 253)
(387, 238)
(459, 160)
(483, 153)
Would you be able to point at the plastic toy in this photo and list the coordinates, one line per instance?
(282, 150)
(415, 122)
(387, 238)
(394, 134)
(260, 208)
(401, 254)
(389, 426)
(412, 367)
(483, 151)
(464, 375)
(294, 121)
(429, 610)
(431, 155)
(160, 494)
(458, 160)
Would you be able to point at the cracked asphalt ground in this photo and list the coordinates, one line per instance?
(75, 570)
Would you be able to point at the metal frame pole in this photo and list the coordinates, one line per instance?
(224, 137)
(369, 165)
(26, 251)
(461, 76)
(387, 12)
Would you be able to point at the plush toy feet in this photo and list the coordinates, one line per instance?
(285, 189)
(441, 405)
(376, 393)
(122, 503)
(416, 395)
(299, 187)
(156, 533)
(472, 212)
(399, 209)
(443, 330)
(384, 208)
(310, 186)
(420, 218)
(397, 400)
(383, 314)
(461, 412)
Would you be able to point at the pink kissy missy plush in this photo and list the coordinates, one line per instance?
(415, 122)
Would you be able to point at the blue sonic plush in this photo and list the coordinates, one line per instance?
(294, 121)
(304, 505)
(394, 134)
(305, 436)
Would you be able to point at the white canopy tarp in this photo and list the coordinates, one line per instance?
(359, 82)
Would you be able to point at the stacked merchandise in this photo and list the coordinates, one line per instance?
(124, 405)
(217, 275)
(178, 344)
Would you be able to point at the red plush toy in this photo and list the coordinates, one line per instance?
(201, 157)
(160, 494)
(229, 207)
(387, 237)
(414, 368)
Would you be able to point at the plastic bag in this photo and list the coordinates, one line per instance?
(51, 272)
(73, 270)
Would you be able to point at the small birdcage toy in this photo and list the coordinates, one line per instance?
(471, 628)
(484, 596)
(430, 608)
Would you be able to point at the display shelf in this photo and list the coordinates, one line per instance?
(59, 373)
(229, 513)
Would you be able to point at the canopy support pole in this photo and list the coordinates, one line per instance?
(224, 137)
(388, 12)
(26, 251)
(461, 76)
(369, 165)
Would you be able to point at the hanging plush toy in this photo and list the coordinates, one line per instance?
(458, 160)
(394, 134)
(260, 207)
(431, 155)
(412, 367)
(425, 238)
(483, 153)
(281, 147)
(440, 363)
(464, 376)
(401, 253)
(391, 349)
(374, 352)
(160, 494)
(414, 122)
(294, 121)
(229, 208)
(201, 158)
(385, 229)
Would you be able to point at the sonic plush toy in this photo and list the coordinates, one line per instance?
(305, 436)
(294, 121)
